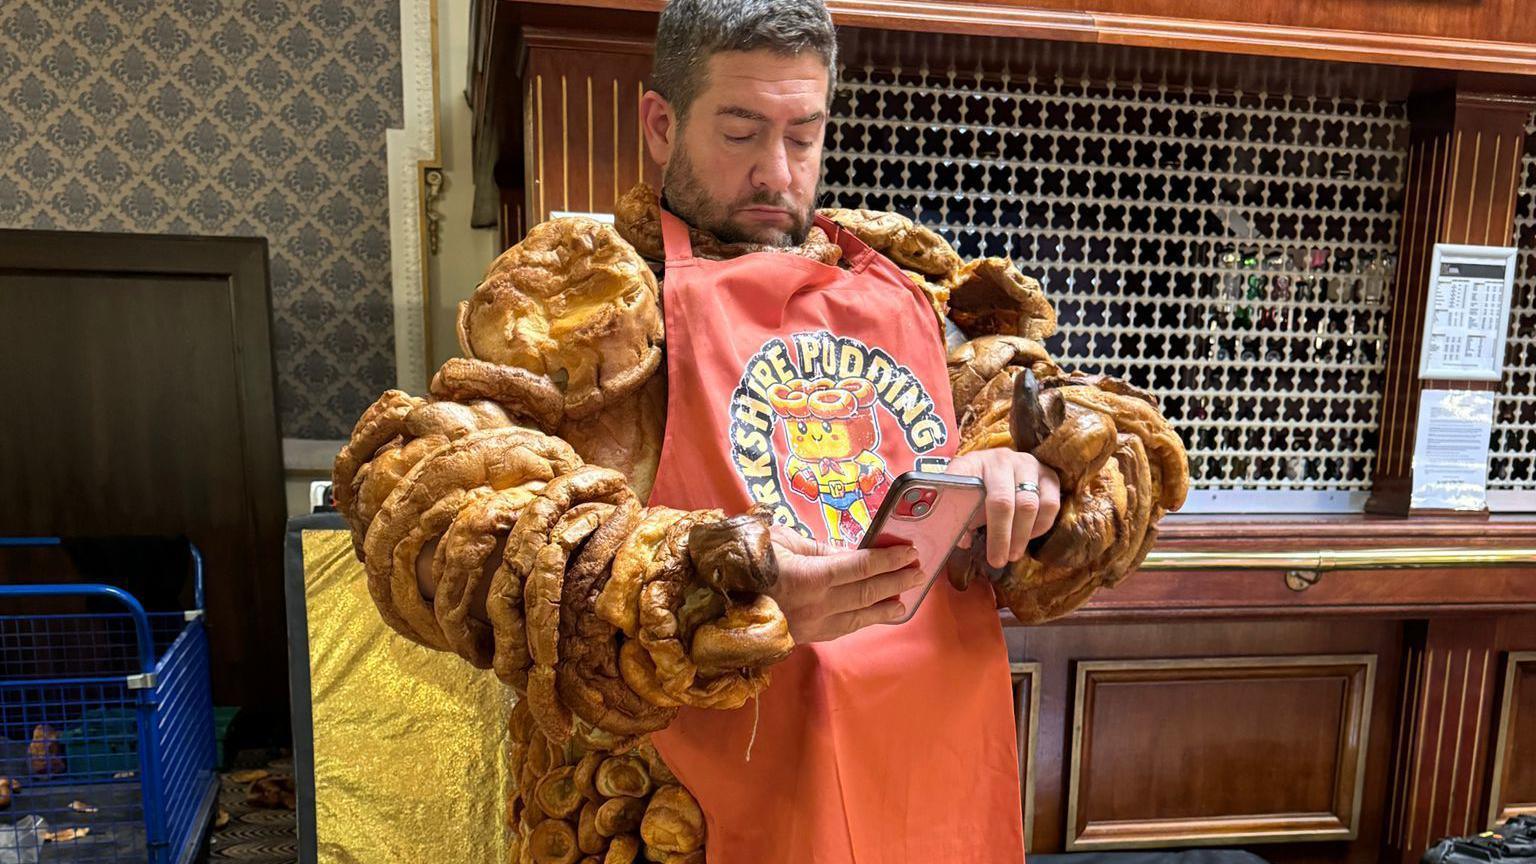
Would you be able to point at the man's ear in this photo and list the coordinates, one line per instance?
(658, 122)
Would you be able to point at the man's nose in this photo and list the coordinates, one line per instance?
(771, 171)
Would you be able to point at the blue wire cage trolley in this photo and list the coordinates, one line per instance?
(106, 722)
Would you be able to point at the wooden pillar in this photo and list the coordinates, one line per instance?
(1439, 761)
(1463, 174)
(582, 146)
(1463, 746)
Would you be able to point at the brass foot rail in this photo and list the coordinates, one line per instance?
(1304, 568)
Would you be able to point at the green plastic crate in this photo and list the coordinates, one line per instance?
(222, 717)
(105, 742)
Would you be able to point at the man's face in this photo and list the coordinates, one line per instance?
(746, 164)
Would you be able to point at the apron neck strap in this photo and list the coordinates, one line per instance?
(674, 238)
(856, 251)
(679, 248)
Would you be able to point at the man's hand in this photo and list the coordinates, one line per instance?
(827, 592)
(1012, 517)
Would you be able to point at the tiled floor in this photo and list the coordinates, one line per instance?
(254, 835)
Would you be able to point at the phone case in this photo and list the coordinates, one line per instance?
(931, 512)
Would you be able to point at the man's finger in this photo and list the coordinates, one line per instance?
(1026, 506)
(796, 542)
(999, 508)
(844, 623)
(868, 592)
(1050, 503)
(847, 567)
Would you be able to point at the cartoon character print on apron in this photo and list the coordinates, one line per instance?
(808, 388)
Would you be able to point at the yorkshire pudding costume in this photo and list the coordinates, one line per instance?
(524, 474)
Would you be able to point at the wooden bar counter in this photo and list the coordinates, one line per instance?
(1356, 714)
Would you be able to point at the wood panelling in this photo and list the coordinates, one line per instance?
(1454, 742)
(1481, 35)
(1026, 712)
(1347, 592)
(1172, 753)
(1514, 761)
(1182, 752)
(1442, 745)
(1281, 532)
(581, 107)
(1360, 593)
(1462, 178)
(886, 49)
(496, 92)
(1206, 732)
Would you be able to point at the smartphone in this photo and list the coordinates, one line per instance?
(931, 512)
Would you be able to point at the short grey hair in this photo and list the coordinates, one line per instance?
(691, 31)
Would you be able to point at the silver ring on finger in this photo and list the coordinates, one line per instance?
(1027, 486)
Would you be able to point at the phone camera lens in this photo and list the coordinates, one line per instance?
(920, 508)
(913, 495)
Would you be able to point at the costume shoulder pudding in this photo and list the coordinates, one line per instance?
(522, 477)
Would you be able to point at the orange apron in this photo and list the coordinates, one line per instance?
(895, 743)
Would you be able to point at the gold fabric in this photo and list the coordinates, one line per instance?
(410, 760)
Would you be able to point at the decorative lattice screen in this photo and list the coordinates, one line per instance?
(1512, 459)
(1229, 251)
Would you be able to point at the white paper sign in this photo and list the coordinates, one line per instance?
(1466, 320)
(605, 218)
(1450, 450)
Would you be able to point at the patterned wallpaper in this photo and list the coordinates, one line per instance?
(227, 117)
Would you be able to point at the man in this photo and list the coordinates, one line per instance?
(873, 743)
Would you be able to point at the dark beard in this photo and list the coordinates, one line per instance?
(685, 197)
